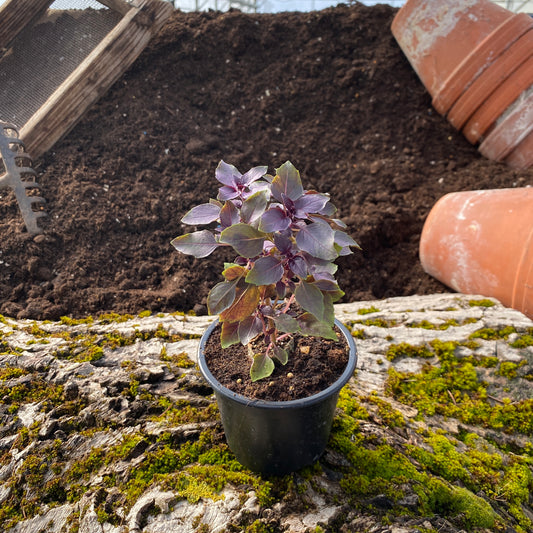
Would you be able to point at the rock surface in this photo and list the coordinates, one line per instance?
(107, 427)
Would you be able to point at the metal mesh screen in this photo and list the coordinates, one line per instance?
(44, 54)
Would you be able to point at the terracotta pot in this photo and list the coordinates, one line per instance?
(522, 156)
(497, 103)
(504, 77)
(510, 130)
(488, 52)
(481, 242)
(437, 35)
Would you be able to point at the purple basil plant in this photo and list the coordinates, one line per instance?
(282, 280)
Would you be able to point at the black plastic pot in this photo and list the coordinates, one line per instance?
(275, 438)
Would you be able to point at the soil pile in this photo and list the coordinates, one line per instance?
(330, 91)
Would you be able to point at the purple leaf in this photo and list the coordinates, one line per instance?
(254, 206)
(227, 193)
(199, 243)
(266, 271)
(244, 239)
(229, 215)
(253, 175)
(227, 174)
(310, 298)
(311, 203)
(283, 243)
(343, 239)
(317, 266)
(317, 239)
(326, 285)
(202, 214)
(281, 289)
(274, 219)
(298, 266)
(220, 297)
(287, 182)
(286, 323)
(328, 210)
(249, 329)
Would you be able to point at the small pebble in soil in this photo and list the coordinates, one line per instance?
(305, 349)
(290, 375)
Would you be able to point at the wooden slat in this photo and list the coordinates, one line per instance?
(120, 6)
(15, 15)
(94, 76)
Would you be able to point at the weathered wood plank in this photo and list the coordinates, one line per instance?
(15, 15)
(93, 77)
(120, 6)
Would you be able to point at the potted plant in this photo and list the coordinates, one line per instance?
(276, 357)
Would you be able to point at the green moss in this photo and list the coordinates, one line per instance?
(524, 340)
(509, 369)
(453, 389)
(491, 334)
(12, 372)
(446, 500)
(481, 303)
(405, 349)
(378, 322)
(259, 526)
(390, 417)
(368, 310)
(33, 391)
(181, 360)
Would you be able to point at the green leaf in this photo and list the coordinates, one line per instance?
(254, 206)
(286, 323)
(246, 241)
(232, 271)
(199, 243)
(229, 334)
(262, 367)
(220, 297)
(266, 271)
(245, 304)
(312, 327)
(280, 354)
(310, 298)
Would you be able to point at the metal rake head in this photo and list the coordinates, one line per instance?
(15, 164)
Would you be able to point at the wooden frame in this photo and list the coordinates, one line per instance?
(141, 19)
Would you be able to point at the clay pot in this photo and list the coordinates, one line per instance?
(486, 57)
(507, 76)
(437, 36)
(481, 242)
(510, 130)
(522, 156)
(476, 60)
(500, 99)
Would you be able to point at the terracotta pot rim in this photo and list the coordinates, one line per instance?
(522, 156)
(475, 63)
(511, 130)
(497, 74)
(499, 100)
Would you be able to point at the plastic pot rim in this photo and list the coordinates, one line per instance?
(334, 388)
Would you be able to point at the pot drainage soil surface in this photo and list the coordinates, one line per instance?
(329, 90)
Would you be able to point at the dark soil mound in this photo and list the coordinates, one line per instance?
(330, 91)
